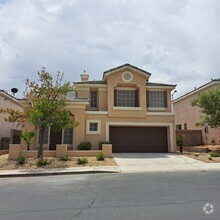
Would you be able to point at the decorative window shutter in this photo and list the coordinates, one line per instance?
(165, 99)
(115, 97)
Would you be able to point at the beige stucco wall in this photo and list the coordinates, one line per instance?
(156, 120)
(102, 99)
(138, 82)
(186, 113)
(6, 127)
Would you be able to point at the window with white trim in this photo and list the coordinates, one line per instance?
(157, 99)
(93, 126)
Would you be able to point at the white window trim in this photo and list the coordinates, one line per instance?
(125, 88)
(156, 109)
(96, 112)
(126, 108)
(171, 144)
(88, 126)
(160, 113)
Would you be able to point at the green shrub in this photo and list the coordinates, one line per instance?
(179, 140)
(82, 161)
(64, 158)
(43, 162)
(86, 145)
(100, 156)
(101, 143)
(210, 158)
(214, 154)
(21, 160)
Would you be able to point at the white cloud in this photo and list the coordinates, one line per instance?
(177, 41)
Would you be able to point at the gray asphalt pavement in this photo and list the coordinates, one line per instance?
(131, 196)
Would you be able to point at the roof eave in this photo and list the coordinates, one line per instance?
(108, 72)
(207, 85)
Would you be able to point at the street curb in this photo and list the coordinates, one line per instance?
(56, 173)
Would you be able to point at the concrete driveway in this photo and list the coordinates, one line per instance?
(157, 162)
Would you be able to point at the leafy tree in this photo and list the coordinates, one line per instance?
(46, 100)
(27, 137)
(13, 115)
(209, 104)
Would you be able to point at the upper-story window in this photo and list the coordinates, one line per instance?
(157, 99)
(94, 100)
(126, 98)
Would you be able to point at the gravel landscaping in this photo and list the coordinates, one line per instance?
(205, 157)
(30, 163)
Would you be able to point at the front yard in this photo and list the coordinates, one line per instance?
(31, 163)
(208, 157)
(205, 157)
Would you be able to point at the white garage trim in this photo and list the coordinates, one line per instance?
(171, 147)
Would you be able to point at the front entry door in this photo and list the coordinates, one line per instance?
(55, 138)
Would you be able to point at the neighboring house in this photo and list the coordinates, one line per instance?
(187, 115)
(9, 132)
(123, 108)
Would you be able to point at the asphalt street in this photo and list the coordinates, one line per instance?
(136, 196)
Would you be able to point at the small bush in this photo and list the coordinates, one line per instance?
(82, 161)
(21, 160)
(101, 143)
(214, 154)
(196, 155)
(210, 158)
(86, 145)
(100, 156)
(64, 158)
(43, 162)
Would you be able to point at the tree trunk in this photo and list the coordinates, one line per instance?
(40, 149)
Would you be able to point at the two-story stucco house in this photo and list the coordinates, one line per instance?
(187, 115)
(124, 108)
(9, 132)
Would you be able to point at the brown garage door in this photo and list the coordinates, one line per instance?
(138, 139)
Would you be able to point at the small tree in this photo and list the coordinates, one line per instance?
(179, 142)
(27, 137)
(46, 101)
(209, 104)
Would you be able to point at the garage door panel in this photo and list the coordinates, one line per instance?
(138, 139)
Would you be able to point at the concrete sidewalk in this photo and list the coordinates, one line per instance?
(59, 171)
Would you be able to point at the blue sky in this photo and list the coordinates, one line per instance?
(178, 41)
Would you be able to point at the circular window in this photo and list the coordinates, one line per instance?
(127, 76)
